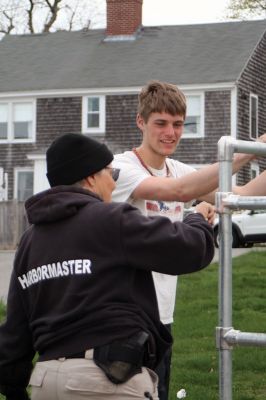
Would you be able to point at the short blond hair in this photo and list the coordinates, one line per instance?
(161, 97)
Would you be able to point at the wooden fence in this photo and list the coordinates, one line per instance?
(13, 222)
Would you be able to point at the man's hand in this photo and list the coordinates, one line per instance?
(207, 210)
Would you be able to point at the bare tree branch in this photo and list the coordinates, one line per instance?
(54, 9)
(31, 16)
(246, 8)
(9, 26)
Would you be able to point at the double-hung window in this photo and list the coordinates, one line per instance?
(253, 116)
(93, 114)
(194, 123)
(17, 121)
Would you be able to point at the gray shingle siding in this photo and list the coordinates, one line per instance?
(121, 129)
(252, 80)
(217, 123)
(55, 117)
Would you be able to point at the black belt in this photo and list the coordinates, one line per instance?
(87, 354)
(77, 355)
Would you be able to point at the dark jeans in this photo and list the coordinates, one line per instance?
(163, 372)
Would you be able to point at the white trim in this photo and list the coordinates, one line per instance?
(3, 185)
(234, 113)
(16, 171)
(201, 133)
(254, 166)
(207, 86)
(10, 133)
(34, 157)
(234, 120)
(109, 90)
(101, 128)
(254, 96)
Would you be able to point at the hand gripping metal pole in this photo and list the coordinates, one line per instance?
(226, 336)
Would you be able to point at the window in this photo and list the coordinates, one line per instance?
(23, 184)
(17, 121)
(253, 116)
(93, 114)
(195, 116)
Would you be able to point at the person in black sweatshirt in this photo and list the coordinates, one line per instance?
(81, 293)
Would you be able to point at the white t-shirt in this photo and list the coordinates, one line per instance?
(132, 173)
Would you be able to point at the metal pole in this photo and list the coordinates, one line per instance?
(225, 154)
(226, 336)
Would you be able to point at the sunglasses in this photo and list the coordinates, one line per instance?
(114, 172)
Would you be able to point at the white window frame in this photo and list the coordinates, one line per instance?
(10, 133)
(101, 128)
(253, 96)
(3, 185)
(16, 172)
(254, 167)
(199, 134)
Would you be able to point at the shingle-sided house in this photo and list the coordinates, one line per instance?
(87, 81)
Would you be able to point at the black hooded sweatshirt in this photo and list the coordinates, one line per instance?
(82, 277)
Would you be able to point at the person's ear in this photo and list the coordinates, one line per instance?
(90, 182)
(140, 122)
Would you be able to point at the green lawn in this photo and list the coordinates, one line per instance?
(195, 359)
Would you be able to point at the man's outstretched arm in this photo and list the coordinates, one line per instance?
(200, 184)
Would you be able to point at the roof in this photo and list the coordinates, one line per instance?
(184, 54)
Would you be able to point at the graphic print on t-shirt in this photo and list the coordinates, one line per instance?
(169, 209)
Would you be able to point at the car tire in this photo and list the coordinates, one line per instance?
(235, 238)
(216, 237)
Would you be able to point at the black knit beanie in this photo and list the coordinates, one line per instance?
(73, 156)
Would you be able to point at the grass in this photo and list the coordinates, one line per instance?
(2, 311)
(195, 358)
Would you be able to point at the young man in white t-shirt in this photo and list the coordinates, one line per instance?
(159, 185)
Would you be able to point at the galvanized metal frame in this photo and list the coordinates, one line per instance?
(226, 336)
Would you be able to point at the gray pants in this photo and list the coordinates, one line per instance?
(78, 379)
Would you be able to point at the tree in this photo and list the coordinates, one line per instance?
(247, 8)
(36, 16)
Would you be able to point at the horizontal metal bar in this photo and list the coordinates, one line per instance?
(227, 146)
(236, 202)
(244, 146)
(235, 337)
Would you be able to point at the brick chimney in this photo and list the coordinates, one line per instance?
(124, 17)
